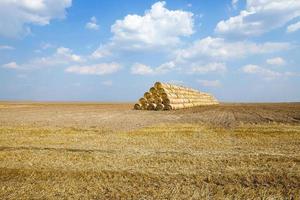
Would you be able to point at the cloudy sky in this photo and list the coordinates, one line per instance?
(64, 50)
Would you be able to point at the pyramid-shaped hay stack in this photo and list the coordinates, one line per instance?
(164, 96)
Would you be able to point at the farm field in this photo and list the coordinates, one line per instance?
(110, 151)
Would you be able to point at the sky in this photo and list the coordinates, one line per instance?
(72, 50)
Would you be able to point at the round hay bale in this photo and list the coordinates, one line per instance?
(151, 106)
(174, 101)
(166, 101)
(158, 100)
(168, 107)
(142, 101)
(138, 106)
(164, 95)
(145, 106)
(160, 106)
(188, 105)
(147, 95)
(174, 106)
(153, 90)
(159, 85)
(151, 100)
(163, 90)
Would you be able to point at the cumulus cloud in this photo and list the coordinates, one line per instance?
(103, 51)
(276, 61)
(92, 24)
(73, 63)
(267, 74)
(159, 28)
(209, 83)
(17, 15)
(46, 45)
(234, 3)
(6, 47)
(11, 65)
(260, 16)
(206, 68)
(221, 49)
(293, 27)
(95, 69)
(208, 55)
(62, 56)
(141, 69)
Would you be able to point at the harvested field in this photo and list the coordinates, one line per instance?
(110, 151)
(123, 117)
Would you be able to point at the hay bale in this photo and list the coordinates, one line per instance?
(158, 100)
(153, 90)
(145, 106)
(159, 85)
(147, 95)
(138, 106)
(151, 106)
(151, 100)
(164, 96)
(142, 101)
(160, 106)
(174, 106)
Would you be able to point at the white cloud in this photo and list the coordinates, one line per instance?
(210, 83)
(293, 27)
(206, 68)
(67, 54)
(234, 3)
(159, 28)
(220, 49)
(260, 16)
(92, 24)
(46, 45)
(6, 47)
(11, 65)
(176, 82)
(17, 15)
(141, 69)
(276, 61)
(95, 69)
(165, 67)
(61, 57)
(208, 55)
(102, 51)
(267, 74)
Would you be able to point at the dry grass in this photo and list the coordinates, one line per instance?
(109, 151)
(163, 161)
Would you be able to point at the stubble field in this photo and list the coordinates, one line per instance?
(109, 151)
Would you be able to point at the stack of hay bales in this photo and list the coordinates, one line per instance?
(164, 96)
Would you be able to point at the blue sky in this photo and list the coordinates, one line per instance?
(71, 50)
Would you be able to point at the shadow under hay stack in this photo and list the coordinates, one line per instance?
(164, 96)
